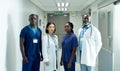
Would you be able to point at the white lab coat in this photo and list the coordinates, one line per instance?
(49, 47)
(91, 45)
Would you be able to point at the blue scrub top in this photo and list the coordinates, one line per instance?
(31, 48)
(68, 43)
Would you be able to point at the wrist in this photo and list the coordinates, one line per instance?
(24, 56)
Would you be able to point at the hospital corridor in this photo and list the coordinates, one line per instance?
(81, 35)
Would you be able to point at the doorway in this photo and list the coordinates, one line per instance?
(59, 20)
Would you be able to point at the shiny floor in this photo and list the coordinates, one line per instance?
(61, 67)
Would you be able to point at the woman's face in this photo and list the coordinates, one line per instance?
(67, 28)
(51, 28)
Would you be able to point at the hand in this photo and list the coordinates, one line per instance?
(41, 58)
(25, 59)
(47, 63)
(61, 62)
(69, 65)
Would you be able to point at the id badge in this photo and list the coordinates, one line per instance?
(35, 40)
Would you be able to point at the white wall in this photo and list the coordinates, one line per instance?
(3, 33)
(116, 38)
(19, 11)
(76, 19)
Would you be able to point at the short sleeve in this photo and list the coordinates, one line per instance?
(22, 33)
(40, 31)
(74, 42)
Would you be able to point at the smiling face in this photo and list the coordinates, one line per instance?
(51, 28)
(85, 19)
(67, 28)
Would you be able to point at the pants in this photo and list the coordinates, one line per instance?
(86, 68)
(66, 66)
(32, 65)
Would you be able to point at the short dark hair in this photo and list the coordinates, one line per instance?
(49, 23)
(72, 26)
(32, 15)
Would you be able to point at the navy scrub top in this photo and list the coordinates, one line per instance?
(68, 43)
(31, 48)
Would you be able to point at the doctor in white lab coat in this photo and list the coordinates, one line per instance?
(50, 48)
(90, 44)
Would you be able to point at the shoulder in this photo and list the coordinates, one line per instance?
(45, 36)
(56, 36)
(64, 36)
(95, 30)
(73, 35)
(39, 29)
(24, 29)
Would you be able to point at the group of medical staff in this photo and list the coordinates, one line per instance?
(82, 48)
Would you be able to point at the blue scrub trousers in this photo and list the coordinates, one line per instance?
(32, 65)
(66, 66)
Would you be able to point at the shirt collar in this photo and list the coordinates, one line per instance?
(32, 28)
(87, 25)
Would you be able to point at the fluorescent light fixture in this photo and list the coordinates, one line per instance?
(58, 4)
(67, 4)
(65, 9)
(62, 9)
(59, 9)
(62, 4)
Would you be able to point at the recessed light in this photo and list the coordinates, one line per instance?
(59, 9)
(67, 4)
(65, 9)
(62, 4)
(58, 4)
(62, 9)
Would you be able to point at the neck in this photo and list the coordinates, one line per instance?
(85, 24)
(68, 33)
(33, 26)
(50, 34)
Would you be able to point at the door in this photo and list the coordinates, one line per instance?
(60, 21)
(106, 29)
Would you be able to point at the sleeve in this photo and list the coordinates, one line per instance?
(98, 41)
(78, 48)
(45, 48)
(74, 42)
(40, 32)
(22, 33)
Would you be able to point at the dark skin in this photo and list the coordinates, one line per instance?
(32, 20)
(85, 19)
(68, 31)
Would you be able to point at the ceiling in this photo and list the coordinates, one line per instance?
(51, 5)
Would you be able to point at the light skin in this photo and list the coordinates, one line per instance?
(51, 29)
(32, 20)
(68, 31)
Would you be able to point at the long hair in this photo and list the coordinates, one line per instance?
(72, 26)
(49, 23)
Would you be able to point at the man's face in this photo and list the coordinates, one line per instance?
(33, 20)
(85, 19)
